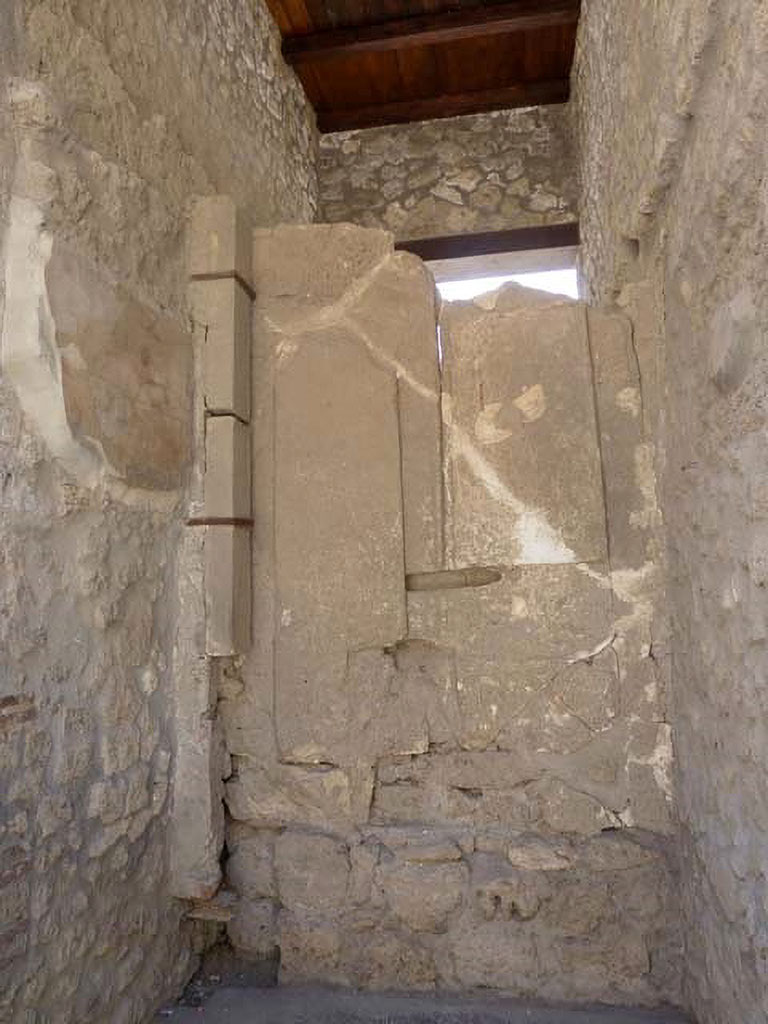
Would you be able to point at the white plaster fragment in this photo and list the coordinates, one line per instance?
(532, 403)
(486, 431)
(629, 401)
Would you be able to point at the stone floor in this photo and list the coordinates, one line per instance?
(246, 1005)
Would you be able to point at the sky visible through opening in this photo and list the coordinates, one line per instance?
(559, 282)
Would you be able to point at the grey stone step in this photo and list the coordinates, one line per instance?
(318, 1006)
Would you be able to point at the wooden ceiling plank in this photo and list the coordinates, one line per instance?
(428, 29)
(529, 94)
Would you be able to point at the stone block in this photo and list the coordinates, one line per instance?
(424, 896)
(275, 796)
(300, 268)
(419, 845)
(496, 956)
(521, 643)
(396, 316)
(253, 929)
(227, 481)
(227, 590)
(219, 238)
(387, 960)
(197, 820)
(250, 866)
(223, 308)
(467, 788)
(500, 892)
(312, 873)
(565, 810)
(521, 443)
(402, 699)
(338, 533)
(534, 614)
(310, 950)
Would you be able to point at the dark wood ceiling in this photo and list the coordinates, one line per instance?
(373, 62)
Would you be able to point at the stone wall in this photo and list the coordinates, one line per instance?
(449, 744)
(485, 172)
(112, 116)
(686, 138)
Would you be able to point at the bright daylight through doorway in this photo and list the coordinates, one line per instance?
(560, 282)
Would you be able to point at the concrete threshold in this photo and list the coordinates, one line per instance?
(238, 1005)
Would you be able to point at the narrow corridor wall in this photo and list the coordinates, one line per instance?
(112, 116)
(673, 137)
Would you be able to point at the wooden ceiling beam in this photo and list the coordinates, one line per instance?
(527, 94)
(427, 29)
(490, 243)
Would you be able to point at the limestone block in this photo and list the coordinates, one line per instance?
(219, 238)
(535, 613)
(126, 374)
(300, 268)
(197, 821)
(468, 788)
(529, 853)
(495, 955)
(253, 929)
(227, 481)
(384, 960)
(521, 444)
(223, 307)
(565, 809)
(312, 873)
(522, 640)
(310, 950)
(250, 866)
(500, 892)
(278, 795)
(402, 700)
(309, 275)
(613, 851)
(227, 590)
(424, 896)
(397, 318)
(571, 703)
(421, 845)
(338, 533)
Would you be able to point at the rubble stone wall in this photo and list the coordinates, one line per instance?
(112, 116)
(437, 784)
(671, 98)
(484, 172)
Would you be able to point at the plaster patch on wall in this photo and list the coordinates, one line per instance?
(532, 403)
(629, 400)
(30, 357)
(645, 477)
(660, 760)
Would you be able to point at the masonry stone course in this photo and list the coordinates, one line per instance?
(482, 172)
(382, 642)
(425, 781)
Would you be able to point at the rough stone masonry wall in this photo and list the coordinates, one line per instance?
(112, 116)
(485, 172)
(674, 154)
(433, 788)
